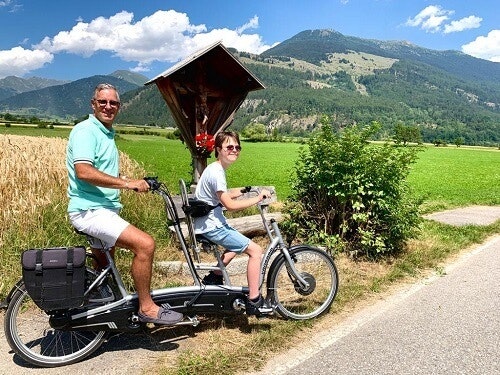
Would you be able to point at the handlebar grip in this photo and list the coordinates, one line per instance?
(153, 183)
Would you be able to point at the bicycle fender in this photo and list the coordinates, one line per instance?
(5, 303)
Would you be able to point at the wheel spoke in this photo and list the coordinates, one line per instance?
(30, 335)
(298, 302)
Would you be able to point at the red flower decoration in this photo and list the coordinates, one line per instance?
(205, 144)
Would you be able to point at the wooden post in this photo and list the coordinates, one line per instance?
(200, 163)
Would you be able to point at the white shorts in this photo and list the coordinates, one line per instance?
(103, 225)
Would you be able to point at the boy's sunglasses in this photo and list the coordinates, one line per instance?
(233, 148)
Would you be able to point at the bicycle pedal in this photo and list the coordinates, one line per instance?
(189, 321)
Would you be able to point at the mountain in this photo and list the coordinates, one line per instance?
(448, 95)
(126, 75)
(12, 85)
(69, 100)
(316, 46)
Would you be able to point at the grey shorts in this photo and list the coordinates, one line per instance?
(103, 225)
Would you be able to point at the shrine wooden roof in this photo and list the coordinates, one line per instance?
(205, 90)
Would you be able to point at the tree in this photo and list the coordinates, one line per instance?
(459, 141)
(351, 195)
(404, 134)
(255, 132)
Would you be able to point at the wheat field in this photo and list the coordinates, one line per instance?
(32, 174)
(33, 182)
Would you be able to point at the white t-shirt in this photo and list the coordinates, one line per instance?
(212, 180)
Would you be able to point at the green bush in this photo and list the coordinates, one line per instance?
(350, 195)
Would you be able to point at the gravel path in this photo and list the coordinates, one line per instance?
(472, 215)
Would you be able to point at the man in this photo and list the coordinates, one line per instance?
(94, 188)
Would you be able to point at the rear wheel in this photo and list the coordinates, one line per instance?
(294, 300)
(29, 334)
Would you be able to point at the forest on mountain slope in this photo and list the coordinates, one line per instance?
(448, 96)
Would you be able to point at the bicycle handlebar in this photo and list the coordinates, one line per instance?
(248, 189)
(153, 183)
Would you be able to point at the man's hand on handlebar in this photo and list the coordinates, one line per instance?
(139, 186)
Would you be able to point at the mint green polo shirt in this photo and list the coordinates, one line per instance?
(91, 142)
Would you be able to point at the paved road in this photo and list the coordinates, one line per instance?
(447, 324)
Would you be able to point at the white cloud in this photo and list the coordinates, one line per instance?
(252, 24)
(165, 36)
(485, 47)
(434, 19)
(471, 22)
(19, 61)
(10, 5)
(430, 19)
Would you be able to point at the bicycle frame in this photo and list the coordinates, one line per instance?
(276, 244)
(190, 300)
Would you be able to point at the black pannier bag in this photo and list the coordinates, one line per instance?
(198, 208)
(55, 277)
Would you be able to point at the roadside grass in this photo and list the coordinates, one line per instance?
(444, 177)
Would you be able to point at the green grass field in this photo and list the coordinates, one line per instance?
(450, 176)
(443, 176)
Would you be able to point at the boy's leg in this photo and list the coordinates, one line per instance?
(254, 253)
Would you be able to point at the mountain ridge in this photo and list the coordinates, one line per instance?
(331, 41)
(447, 94)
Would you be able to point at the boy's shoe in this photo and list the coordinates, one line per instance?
(213, 279)
(259, 308)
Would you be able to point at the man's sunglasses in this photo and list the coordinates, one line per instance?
(233, 148)
(103, 103)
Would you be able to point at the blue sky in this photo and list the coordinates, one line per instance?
(69, 40)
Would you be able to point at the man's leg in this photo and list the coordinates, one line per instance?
(100, 262)
(143, 247)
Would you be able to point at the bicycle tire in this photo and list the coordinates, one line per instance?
(290, 300)
(29, 334)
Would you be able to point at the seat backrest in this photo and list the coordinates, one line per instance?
(188, 219)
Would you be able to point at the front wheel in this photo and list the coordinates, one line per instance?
(294, 300)
(29, 334)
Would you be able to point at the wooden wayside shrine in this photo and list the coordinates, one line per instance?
(203, 92)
